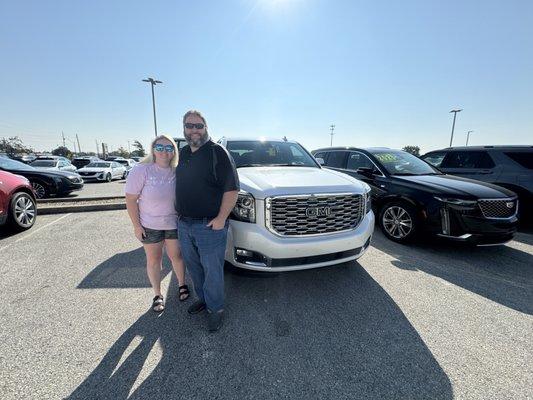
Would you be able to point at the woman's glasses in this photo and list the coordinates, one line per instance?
(162, 147)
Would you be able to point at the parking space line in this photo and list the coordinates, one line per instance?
(34, 231)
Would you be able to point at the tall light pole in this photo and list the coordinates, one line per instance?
(331, 128)
(453, 125)
(153, 82)
(468, 136)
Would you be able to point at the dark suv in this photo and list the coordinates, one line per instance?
(410, 197)
(507, 166)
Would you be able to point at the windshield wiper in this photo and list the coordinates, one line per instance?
(250, 165)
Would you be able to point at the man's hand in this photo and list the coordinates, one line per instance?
(217, 223)
(140, 233)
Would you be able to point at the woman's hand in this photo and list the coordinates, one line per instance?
(139, 232)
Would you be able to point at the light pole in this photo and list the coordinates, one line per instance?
(453, 125)
(331, 128)
(468, 136)
(153, 82)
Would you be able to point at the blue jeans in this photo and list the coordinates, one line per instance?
(203, 252)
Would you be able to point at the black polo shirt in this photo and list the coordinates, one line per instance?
(202, 178)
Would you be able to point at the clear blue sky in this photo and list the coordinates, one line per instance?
(386, 73)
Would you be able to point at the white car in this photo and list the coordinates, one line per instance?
(103, 171)
(291, 213)
(54, 164)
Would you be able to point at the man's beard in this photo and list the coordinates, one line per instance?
(197, 142)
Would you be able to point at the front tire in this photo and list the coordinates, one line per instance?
(398, 221)
(22, 212)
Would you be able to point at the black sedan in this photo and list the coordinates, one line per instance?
(412, 197)
(45, 183)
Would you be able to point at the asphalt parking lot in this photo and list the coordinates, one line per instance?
(432, 321)
(99, 189)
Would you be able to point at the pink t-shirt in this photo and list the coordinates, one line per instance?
(156, 188)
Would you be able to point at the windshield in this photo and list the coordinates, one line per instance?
(98, 165)
(402, 163)
(8, 164)
(43, 163)
(258, 153)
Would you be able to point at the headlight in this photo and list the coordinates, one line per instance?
(58, 179)
(244, 210)
(368, 201)
(457, 202)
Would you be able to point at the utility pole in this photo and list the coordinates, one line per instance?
(78, 139)
(97, 148)
(331, 128)
(153, 82)
(63, 135)
(468, 136)
(453, 125)
(129, 150)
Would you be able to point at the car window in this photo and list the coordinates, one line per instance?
(358, 160)
(337, 159)
(321, 155)
(252, 153)
(435, 159)
(467, 159)
(524, 158)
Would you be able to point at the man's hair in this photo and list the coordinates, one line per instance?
(194, 112)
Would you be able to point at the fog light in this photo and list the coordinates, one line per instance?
(244, 253)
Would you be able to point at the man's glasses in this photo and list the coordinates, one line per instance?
(188, 125)
(162, 147)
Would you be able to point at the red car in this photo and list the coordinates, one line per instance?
(18, 207)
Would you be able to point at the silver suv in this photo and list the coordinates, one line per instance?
(291, 213)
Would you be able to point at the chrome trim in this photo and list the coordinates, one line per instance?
(268, 222)
(500, 199)
(494, 244)
(255, 264)
(445, 220)
(462, 237)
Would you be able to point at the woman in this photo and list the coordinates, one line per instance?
(150, 194)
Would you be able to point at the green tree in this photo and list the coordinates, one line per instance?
(414, 150)
(13, 145)
(139, 149)
(62, 151)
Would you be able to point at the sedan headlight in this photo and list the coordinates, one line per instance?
(456, 202)
(244, 209)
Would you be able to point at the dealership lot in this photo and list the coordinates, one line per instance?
(100, 189)
(435, 320)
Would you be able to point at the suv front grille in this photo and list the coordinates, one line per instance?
(313, 215)
(498, 208)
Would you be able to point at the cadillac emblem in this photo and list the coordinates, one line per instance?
(509, 204)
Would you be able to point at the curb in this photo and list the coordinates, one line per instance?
(81, 208)
(78, 199)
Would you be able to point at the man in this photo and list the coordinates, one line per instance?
(207, 186)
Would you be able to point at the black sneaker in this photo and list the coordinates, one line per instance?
(196, 307)
(214, 320)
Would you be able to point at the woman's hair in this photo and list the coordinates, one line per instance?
(150, 158)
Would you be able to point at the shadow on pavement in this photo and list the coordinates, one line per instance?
(123, 270)
(499, 273)
(328, 333)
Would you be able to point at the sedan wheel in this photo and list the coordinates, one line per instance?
(40, 190)
(398, 221)
(23, 211)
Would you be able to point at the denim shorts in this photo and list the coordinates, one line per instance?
(156, 235)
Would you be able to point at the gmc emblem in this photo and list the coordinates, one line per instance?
(318, 211)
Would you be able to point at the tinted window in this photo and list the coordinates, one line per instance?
(43, 163)
(358, 160)
(467, 159)
(336, 159)
(525, 158)
(434, 159)
(252, 153)
(321, 155)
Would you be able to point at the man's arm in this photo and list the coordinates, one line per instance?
(229, 199)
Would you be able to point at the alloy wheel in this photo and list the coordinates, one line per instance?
(397, 222)
(24, 209)
(39, 190)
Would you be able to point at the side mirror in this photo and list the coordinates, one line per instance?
(320, 161)
(366, 171)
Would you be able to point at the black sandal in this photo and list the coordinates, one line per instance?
(158, 302)
(183, 290)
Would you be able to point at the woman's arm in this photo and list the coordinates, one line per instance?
(133, 211)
